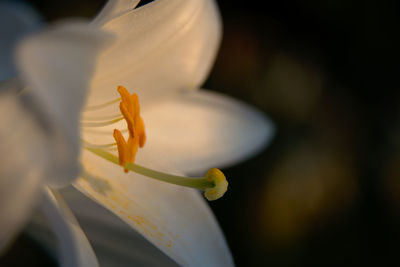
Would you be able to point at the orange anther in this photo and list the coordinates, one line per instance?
(121, 144)
(128, 118)
(141, 133)
(130, 109)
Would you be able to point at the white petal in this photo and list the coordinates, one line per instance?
(163, 47)
(113, 9)
(114, 241)
(201, 130)
(23, 164)
(176, 220)
(17, 19)
(75, 248)
(57, 64)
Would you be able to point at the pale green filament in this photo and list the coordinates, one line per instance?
(106, 146)
(102, 105)
(101, 118)
(102, 132)
(101, 124)
(201, 183)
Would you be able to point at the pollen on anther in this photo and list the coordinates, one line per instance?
(130, 109)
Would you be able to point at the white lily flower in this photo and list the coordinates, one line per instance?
(163, 51)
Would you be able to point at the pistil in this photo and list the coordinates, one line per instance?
(214, 183)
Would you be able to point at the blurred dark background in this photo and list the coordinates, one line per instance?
(326, 192)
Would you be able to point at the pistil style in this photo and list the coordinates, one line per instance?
(214, 184)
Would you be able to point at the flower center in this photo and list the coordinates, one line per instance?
(214, 183)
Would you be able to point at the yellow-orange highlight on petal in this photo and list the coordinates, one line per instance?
(130, 109)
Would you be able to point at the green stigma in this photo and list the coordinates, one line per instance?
(217, 177)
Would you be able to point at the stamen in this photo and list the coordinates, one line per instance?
(105, 146)
(101, 124)
(95, 107)
(214, 183)
(101, 118)
(96, 131)
(126, 150)
(130, 109)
